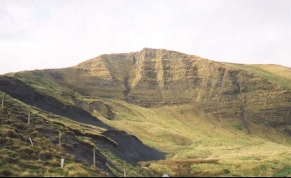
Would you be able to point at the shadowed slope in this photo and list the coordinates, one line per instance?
(28, 95)
(128, 147)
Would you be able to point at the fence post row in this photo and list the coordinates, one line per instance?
(60, 136)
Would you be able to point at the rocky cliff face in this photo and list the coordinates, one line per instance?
(157, 77)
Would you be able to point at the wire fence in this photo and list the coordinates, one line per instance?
(83, 152)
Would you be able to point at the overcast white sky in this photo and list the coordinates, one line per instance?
(62, 33)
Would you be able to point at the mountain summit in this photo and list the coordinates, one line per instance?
(159, 77)
(158, 95)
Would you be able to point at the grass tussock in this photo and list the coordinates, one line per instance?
(76, 170)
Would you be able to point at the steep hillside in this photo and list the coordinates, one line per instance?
(182, 107)
(275, 73)
(158, 77)
(25, 149)
(18, 158)
(54, 137)
(29, 95)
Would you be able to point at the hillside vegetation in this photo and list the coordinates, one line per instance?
(42, 157)
(275, 73)
(190, 116)
(20, 158)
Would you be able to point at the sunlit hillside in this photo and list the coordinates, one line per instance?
(162, 111)
(275, 73)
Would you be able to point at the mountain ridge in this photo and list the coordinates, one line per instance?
(157, 95)
(157, 77)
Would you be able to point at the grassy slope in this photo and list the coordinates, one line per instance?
(43, 158)
(19, 158)
(277, 74)
(43, 82)
(186, 133)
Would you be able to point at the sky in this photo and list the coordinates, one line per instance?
(43, 34)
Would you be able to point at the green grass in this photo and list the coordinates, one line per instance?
(44, 83)
(19, 158)
(283, 173)
(277, 74)
(184, 132)
(43, 158)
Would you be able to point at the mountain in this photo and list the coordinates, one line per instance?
(178, 107)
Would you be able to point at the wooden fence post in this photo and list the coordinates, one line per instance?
(94, 159)
(28, 118)
(60, 137)
(62, 162)
(3, 100)
(30, 141)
